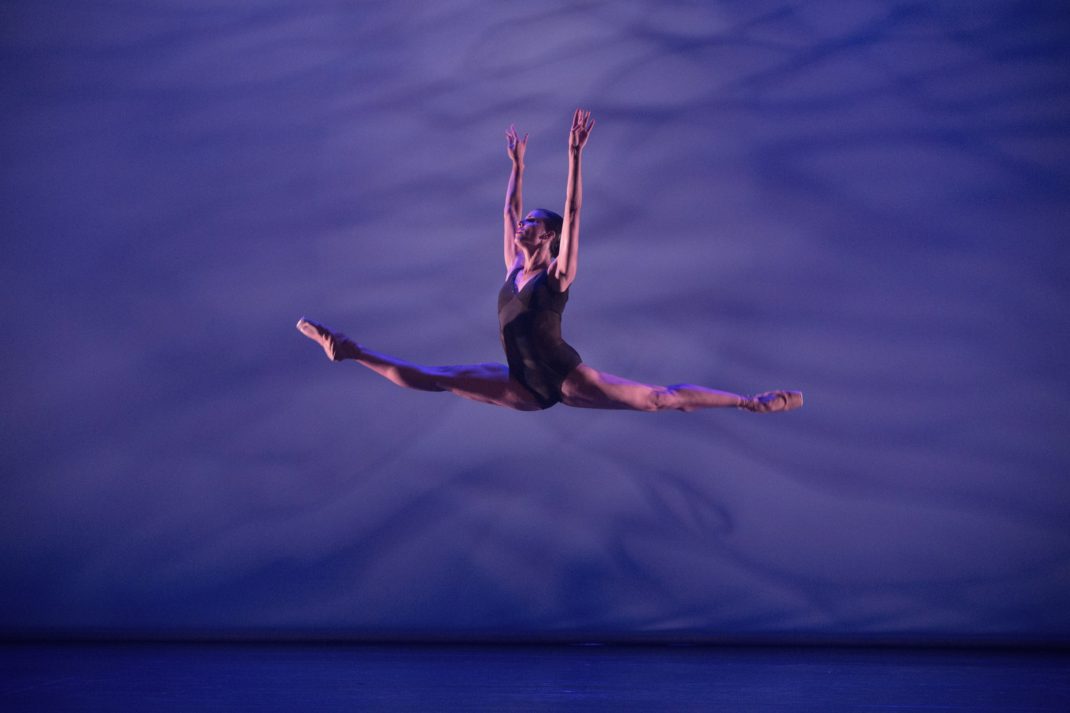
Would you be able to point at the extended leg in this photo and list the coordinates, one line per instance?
(589, 388)
(488, 383)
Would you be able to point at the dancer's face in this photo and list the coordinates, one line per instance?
(531, 231)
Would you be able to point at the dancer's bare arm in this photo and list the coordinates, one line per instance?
(514, 204)
(566, 262)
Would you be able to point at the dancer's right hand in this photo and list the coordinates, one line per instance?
(515, 146)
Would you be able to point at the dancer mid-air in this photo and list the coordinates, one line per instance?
(541, 252)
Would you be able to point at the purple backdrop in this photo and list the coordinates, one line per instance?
(866, 201)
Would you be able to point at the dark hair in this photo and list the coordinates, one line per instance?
(553, 223)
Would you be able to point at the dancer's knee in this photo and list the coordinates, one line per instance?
(667, 398)
(659, 398)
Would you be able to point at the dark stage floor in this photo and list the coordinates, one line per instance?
(292, 677)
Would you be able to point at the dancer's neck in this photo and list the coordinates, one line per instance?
(536, 260)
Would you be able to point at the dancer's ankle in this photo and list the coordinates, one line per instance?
(345, 348)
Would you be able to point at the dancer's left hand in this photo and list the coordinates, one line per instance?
(582, 123)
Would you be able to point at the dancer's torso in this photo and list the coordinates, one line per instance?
(530, 323)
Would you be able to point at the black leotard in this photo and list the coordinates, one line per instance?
(530, 321)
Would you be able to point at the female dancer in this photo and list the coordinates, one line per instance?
(541, 252)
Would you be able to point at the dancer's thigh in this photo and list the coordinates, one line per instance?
(488, 383)
(586, 387)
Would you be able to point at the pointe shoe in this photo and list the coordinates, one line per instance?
(773, 401)
(337, 345)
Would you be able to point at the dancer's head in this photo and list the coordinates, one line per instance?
(544, 225)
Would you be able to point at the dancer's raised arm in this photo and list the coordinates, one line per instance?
(514, 204)
(582, 123)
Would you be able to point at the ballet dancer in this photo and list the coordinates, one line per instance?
(541, 251)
